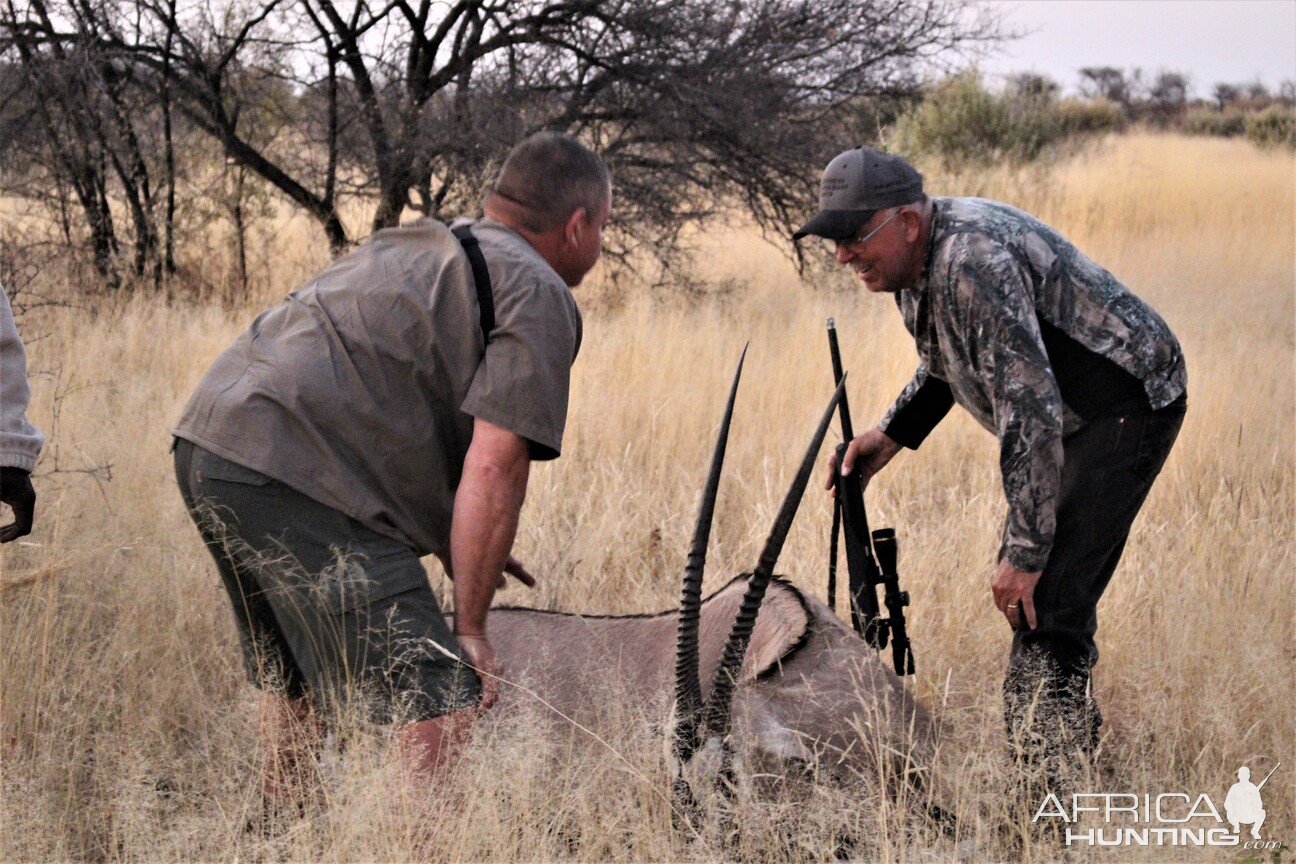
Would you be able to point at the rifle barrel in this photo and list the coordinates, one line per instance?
(843, 407)
(1267, 776)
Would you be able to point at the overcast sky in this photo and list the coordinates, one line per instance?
(1210, 40)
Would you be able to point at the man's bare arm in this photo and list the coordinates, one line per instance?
(487, 504)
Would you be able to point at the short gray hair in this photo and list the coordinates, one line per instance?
(551, 174)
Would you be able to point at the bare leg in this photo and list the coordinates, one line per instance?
(291, 733)
(429, 746)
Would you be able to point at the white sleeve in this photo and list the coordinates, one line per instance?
(20, 441)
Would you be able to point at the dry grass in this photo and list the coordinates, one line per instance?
(127, 731)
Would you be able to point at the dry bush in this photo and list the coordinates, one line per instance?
(127, 731)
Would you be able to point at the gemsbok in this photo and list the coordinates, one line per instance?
(758, 670)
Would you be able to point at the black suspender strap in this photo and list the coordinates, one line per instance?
(481, 278)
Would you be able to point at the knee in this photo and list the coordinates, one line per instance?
(428, 745)
(1054, 650)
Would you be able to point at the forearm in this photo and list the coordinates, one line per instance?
(922, 404)
(1028, 417)
(1028, 420)
(1032, 475)
(487, 505)
(481, 536)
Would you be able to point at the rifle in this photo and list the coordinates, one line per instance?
(870, 557)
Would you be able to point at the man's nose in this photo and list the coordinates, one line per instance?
(843, 253)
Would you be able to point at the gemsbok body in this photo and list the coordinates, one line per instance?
(759, 669)
(810, 693)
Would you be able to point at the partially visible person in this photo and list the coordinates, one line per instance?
(390, 408)
(20, 441)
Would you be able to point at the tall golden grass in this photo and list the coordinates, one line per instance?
(127, 731)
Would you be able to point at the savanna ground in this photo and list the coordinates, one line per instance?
(128, 732)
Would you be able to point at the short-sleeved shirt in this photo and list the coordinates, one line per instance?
(1034, 339)
(360, 389)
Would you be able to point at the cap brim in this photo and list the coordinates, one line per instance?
(834, 224)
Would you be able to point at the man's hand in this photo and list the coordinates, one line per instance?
(1014, 594)
(481, 657)
(869, 452)
(16, 491)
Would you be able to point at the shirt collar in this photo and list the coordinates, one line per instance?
(517, 243)
(937, 227)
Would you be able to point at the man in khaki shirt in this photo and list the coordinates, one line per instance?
(370, 419)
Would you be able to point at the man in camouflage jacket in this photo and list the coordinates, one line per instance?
(1081, 381)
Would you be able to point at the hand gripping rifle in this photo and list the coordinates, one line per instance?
(870, 558)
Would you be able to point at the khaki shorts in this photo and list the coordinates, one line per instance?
(323, 604)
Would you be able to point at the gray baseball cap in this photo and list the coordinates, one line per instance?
(857, 184)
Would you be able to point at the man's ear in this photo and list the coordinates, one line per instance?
(575, 226)
(913, 224)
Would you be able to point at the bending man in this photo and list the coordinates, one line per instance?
(1081, 381)
(377, 415)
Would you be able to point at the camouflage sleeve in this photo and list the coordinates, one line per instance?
(996, 305)
(921, 405)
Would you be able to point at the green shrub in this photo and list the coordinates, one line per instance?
(1089, 116)
(1275, 126)
(1202, 121)
(1212, 121)
(957, 120)
(963, 124)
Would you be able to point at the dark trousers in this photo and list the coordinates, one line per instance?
(323, 605)
(1107, 472)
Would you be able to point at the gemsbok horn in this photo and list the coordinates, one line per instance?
(696, 723)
